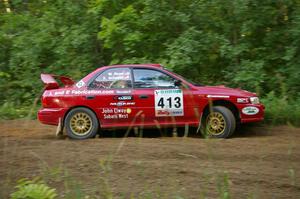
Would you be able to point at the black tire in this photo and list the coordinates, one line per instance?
(228, 122)
(81, 123)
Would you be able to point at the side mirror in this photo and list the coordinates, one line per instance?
(177, 83)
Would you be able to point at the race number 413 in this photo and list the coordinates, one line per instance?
(168, 102)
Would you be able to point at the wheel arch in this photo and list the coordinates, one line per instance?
(80, 106)
(231, 106)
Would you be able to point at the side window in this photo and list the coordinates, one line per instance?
(147, 78)
(113, 78)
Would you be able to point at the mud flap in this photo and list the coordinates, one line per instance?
(59, 129)
(199, 125)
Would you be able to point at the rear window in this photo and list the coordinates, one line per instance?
(113, 78)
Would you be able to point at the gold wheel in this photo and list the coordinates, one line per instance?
(81, 124)
(215, 123)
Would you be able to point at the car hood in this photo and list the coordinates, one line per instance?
(224, 91)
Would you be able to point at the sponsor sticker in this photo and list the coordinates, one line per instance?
(217, 96)
(123, 91)
(250, 110)
(118, 76)
(48, 93)
(124, 97)
(168, 102)
(122, 103)
(80, 84)
(83, 92)
(242, 100)
(116, 113)
(56, 93)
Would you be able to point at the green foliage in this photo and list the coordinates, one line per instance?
(33, 189)
(280, 110)
(250, 71)
(8, 110)
(254, 45)
(61, 38)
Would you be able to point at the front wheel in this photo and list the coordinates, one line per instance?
(81, 123)
(220, 123)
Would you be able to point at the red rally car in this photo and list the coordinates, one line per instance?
(147, 95)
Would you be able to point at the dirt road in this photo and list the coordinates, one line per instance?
(260, 162)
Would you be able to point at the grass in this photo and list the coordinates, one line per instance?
(72, 189)
(59, 182)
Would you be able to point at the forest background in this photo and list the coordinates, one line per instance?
(251, 44)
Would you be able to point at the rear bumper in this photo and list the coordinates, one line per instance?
(51, 115)
(245, 118)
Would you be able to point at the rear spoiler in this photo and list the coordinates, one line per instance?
(50, 81)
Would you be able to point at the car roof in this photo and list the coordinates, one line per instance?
(137, 65)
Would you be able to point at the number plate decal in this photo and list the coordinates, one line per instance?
(168, 102)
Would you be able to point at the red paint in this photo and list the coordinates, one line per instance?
(51, 83)
(140, 111)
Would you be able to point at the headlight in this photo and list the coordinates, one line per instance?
(254, 100)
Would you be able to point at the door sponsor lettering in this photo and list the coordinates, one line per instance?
(121, 103)
(116, 113)
(124, 97)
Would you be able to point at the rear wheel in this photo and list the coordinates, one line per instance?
(81, 123)
(220, 123)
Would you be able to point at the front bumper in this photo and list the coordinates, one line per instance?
(51, 115)
(257, 117)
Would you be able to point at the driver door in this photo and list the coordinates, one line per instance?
(160, 100)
